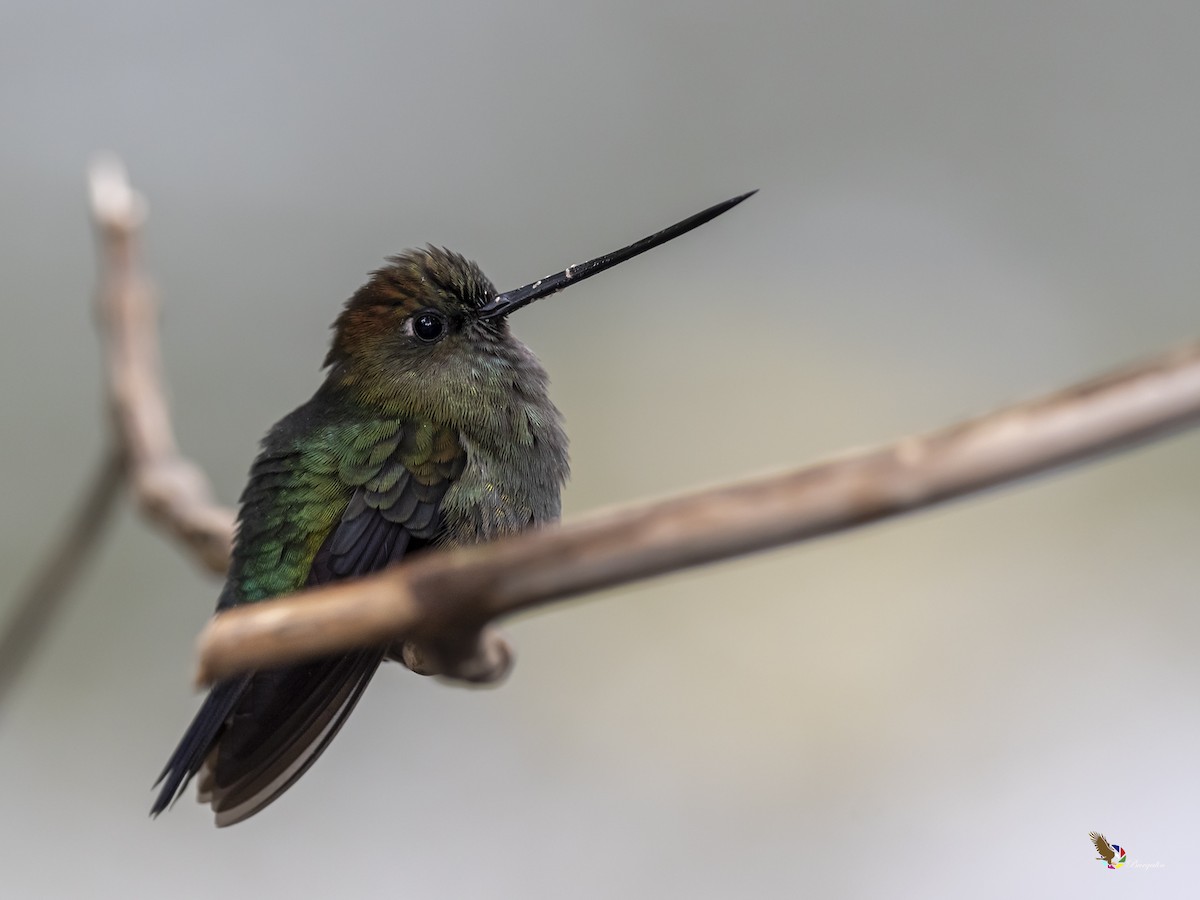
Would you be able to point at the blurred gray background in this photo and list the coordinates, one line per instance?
(961, 205)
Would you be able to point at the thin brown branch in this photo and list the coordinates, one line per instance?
(39, 605)
(440, 602)
(171, 491)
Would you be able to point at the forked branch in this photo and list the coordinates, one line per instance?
(171, 491)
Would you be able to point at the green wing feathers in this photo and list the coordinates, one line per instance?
(302, 485)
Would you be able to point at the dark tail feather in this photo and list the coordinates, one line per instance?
(197, 741)
(278, 729)
(256, 735)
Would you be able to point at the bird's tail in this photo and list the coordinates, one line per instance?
(255, 735)
(197, 741)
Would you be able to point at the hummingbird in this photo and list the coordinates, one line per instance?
(433, 428)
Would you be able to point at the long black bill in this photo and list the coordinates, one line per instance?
(511, 301)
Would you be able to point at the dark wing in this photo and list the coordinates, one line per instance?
(1102, 846)
(256, 735)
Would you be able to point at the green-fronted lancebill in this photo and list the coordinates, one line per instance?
(433, 427)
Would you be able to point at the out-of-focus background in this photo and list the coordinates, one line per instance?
(961, 205)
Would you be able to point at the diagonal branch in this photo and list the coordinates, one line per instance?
(440, 607)
(443, 600)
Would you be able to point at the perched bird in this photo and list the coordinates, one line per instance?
(433, 427)
(1103, 847)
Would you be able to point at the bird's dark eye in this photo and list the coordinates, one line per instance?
(429, 325)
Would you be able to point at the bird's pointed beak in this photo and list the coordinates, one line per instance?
(510, 301)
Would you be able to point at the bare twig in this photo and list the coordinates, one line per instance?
(171, 491)
(445, 599)
(38, 606)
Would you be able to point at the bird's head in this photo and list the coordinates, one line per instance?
(418, 313)
(429, 331)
